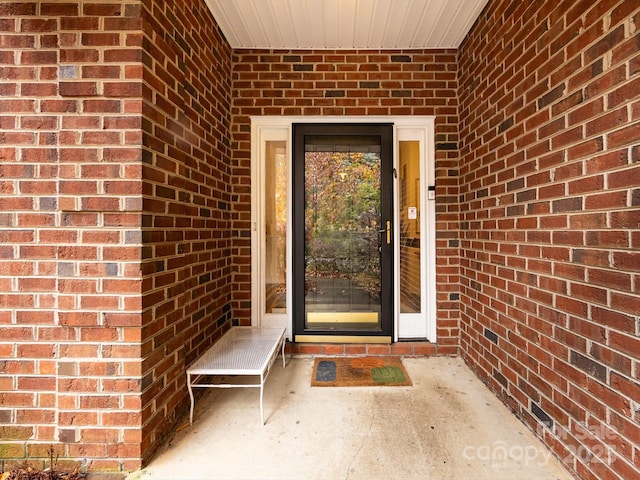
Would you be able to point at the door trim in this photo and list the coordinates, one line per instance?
(279, 127)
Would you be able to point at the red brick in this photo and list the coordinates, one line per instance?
(98, 335)
(18, 8)
(78, 89)
(626, 260)
(17, 73)
(624, 93)
(59, 9)
(625, 219)
(31, 350)
(123, 23)
(378, 349)
(121, 419)
(17, 41)
(624, 178)
(423, 348)
(625, 427)
(611, 200)
(8, 90)
(355, 349)
(101, 138)
(625, 136)
(13, 433)
(606, 161)
(99, 435)
(586, 184)
(624, 302)
(77, 418)
(39, 57)
(17, 106)
(35, 384)
(59, 106)
(79, 55)
(628, 387)
(123, 89)
(42, 122)
(616, 280)
(123, 55)
(100, 39)
(102, 106)
(81, 123)
(101, 71)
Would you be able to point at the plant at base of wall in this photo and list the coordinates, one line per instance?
(25, 471)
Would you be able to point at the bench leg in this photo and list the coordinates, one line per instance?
(192, 399)
(261, 399)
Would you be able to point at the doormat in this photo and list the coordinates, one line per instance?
(359, 372)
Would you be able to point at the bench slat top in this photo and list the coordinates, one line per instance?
(240, 351)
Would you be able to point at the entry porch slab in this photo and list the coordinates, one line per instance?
(447, 426)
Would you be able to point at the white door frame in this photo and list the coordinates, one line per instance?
(279, 128)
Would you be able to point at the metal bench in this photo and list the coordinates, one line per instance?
(242, 351)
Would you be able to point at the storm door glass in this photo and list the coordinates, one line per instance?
(342, 251)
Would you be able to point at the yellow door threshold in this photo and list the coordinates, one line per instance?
(342, 317)
(340, 339)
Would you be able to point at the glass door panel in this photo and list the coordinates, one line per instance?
(342, 238)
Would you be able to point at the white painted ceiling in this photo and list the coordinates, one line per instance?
(345, 24)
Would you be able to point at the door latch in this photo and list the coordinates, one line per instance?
(388, 231)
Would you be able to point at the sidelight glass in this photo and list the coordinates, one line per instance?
(275, 225)
(409, 179)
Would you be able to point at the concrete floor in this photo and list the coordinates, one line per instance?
(447, 426)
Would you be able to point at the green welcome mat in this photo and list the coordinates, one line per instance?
(359, 372)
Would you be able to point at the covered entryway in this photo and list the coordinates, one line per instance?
(136, 225)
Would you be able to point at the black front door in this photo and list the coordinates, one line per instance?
(343, 231)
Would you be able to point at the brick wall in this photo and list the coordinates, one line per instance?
(353, 83)
(70, 212)
(114, 207)
(549, 176)
(187, 255)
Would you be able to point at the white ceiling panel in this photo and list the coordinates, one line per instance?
(380, 21)
(412, 18)
(348, 22)
(331, 25)
(396, 17)
(299, 19)
(362, 23)
(345, 24)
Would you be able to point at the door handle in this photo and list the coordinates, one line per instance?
(388, 231)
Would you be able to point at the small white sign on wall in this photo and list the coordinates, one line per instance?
(412, 213)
